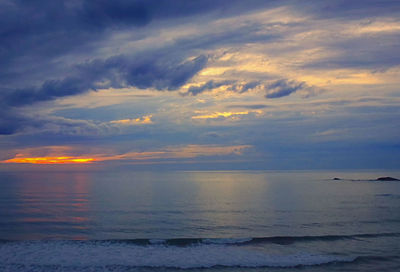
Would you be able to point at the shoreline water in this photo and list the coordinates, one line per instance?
(230, 221)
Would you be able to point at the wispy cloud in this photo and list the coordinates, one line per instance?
(185, 152)
(144, 120)
(57, 154)
(225, 114)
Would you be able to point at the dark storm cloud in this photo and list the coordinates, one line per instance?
(140, 12)
(147, 72)
(150, 71)
(283, 87)
(162, 75)
(36, 29)
(49, 90)
(35, 34)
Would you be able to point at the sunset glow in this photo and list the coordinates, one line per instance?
(138, 121)
(290, 80)
(50, 160)
(216, 115)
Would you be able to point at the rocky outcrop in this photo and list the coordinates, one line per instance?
(387, 179)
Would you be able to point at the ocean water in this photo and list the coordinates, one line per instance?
(199, 221)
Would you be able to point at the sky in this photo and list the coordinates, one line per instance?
(219, 84)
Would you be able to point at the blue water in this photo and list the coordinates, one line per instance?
(218, 221)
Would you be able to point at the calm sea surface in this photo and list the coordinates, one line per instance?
(208, 221)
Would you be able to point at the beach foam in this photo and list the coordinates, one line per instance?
(90, 254)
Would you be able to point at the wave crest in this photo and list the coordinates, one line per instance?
(87, 254)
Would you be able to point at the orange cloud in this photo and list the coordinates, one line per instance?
(224, 114)
(171, 152)
(138, 121)
(50, 160)
(51, 155)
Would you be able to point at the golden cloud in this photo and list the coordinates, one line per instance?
(225, 114)
(144, 120)
(171, 152)
(50, 160)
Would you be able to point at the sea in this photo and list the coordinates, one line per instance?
(130, 220)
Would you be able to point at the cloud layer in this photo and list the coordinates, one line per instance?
(155, 80)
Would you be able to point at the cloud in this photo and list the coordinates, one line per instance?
(11, 121)
(48, 151)
(62, 154)
(46, 35)
(161, 73)
(232, 52)
(64, 45)
(282, 88)
(244, 87)
(232, 85)
(346, 10)
(144, 120)
(152, 69)
(225, 114)
(248, 106)
(14, 122)
(45, 54)
(141, 72)
(50, 160)
(209, 85)
(330, 132)
(185, 152)
(49, 90)
(216, 115)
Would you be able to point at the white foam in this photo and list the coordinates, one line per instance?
(84, 254)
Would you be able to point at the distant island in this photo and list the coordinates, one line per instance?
(386, 179)
(378, 179)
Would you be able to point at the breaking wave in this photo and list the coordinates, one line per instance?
(122, 255)
(86, 254)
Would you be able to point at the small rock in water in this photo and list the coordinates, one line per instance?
(386, 179)
(336, 179)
